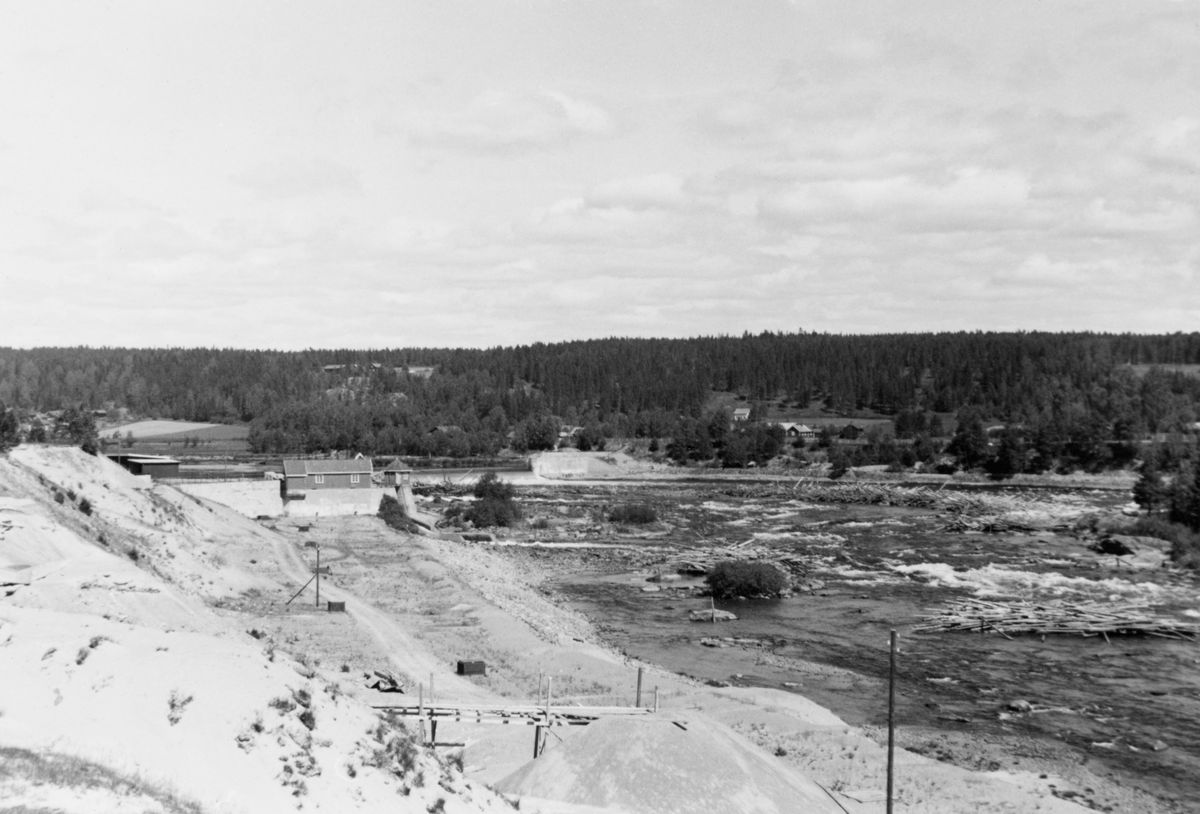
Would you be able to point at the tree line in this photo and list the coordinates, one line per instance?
(1058, 391)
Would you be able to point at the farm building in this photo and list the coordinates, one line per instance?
(741, 414)
(794, 430)
(306, 475)
(851, 432)
(156, 466)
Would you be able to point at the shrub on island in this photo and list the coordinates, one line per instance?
(634, 514)
(734, 578)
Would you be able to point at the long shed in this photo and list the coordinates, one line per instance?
(156, 466)
(305, 474)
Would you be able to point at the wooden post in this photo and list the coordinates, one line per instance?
(433, 731)
(656, 698)
(318, 575)
(421, 709)
(431, 689)
(891, 755)
(537, 739)
(712, 607)
(638, 703)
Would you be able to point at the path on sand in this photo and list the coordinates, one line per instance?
(404, 653)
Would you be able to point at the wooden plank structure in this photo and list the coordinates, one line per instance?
(541, 717)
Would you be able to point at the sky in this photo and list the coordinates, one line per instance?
(474, 173)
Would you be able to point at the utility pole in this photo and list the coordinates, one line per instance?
(891, 718)
(318, 575)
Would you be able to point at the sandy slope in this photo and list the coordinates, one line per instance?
(126, 665)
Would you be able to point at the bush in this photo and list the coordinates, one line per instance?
(636, 513)
(392, 513)
(85, 506)
(490, 486)
(309, 719)
(741, 578)
(490, 511)
(494, 504)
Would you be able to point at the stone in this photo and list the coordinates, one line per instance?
(1158, 746)
(1116, 545)
(711, 616)
(1020, 705)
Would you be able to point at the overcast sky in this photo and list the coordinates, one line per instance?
(494, 172)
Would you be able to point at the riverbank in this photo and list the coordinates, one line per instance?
(475, 602)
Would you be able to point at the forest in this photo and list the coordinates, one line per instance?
(1085, 398)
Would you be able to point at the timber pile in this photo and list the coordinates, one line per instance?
(999, 524)
(884, 494)
(922, 497)
(700, 561)
(1056, 616)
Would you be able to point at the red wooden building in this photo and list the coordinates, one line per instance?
(307, 474)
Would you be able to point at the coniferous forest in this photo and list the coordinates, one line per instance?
(1077, 396)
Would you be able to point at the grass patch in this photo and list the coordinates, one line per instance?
(283, 705)
(176, 704)
(55, 770)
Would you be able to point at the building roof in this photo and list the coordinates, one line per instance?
(742, 411)
(141, 458)
(397, 465)
(308, 466)
(792, 425)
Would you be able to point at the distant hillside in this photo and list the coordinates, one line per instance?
(352, 398)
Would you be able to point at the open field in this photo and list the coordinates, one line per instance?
(154, 428)
(169, 438)
(1186, 370)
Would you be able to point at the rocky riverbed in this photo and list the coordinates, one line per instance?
(1121, 717)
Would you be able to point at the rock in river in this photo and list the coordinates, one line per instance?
(712, 616)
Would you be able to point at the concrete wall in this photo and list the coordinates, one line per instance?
(336, 502)
(252, 498)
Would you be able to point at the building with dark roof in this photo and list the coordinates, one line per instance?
(397, 473)
(156, 466)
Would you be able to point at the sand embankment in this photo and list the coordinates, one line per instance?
(253, 498)
(119, 665)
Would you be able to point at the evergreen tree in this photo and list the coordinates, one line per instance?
(10, 429)
(970, 443)
(1150, 491)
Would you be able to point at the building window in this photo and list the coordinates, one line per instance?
(318, 478)
(354, 478)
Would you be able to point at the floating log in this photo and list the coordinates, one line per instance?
(1055, 617)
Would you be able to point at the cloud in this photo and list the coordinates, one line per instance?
(1164, 216)
(969, 196)
(574, 219)
(505, 121)
(296, 178)
(794, 249)
(656, 191)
